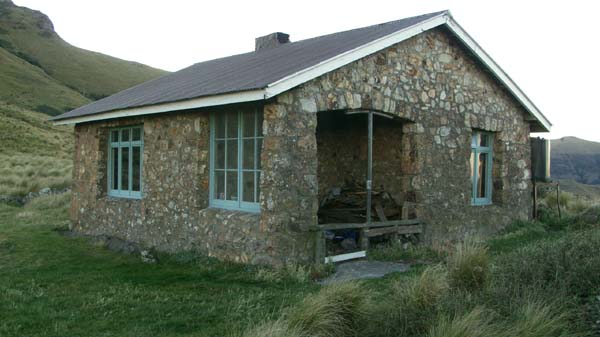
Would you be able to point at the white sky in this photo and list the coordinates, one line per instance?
(550, 48)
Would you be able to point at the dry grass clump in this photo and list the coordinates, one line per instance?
(468, 266)
(21, 174)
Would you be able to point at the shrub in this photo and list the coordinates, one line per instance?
(468, 266)
(476, 323)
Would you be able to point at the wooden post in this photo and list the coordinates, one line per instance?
(558, 200)
(364, 233)
(534, 200)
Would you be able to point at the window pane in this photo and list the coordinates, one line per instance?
(248, 154)
(484, 140)
(232, 124)
(125, 135)
(220, 185)
(220, 154)
(248, 186)
(482, 175)
(114, 136)
(259, 123)
(137, 134)
(249, 119)
(258, 152)
(136, 169)
(219, 125)
(472, 166)
(115, 168)
(232, 154)
(124, 168)
(232, 181)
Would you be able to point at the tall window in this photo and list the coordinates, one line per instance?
(125, 162)
(481, 167)
(236, 142)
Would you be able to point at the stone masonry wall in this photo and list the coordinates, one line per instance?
(173, 213)
(436, 88)
(432, 82)
(342, 154)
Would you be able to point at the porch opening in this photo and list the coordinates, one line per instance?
(353, 153)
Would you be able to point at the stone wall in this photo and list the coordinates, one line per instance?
(342, 152)
(173, 213)
(443, 93)
(429, 82)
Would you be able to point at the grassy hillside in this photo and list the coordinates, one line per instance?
(34, 154)
(41, 57)
(30, 87)
(27, 132)
(576, 159)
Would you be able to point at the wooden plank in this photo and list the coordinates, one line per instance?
(345, 257)
(412, 229)
(382, 231)
(335, 226)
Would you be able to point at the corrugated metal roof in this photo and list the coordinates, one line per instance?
(244, 72)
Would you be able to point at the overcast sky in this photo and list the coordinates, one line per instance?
(549, 48)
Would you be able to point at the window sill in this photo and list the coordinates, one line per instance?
(486, 203)
(122, 196)
(253, 210)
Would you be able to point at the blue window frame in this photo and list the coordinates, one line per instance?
(125, 161)
(481, 167)
(235, 147)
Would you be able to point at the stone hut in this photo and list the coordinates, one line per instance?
(236, 157)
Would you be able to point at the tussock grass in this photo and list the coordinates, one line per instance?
(411, 305)
(21, 174)
(476, 323)
(335, 311)
(468, 266)
(538, 319)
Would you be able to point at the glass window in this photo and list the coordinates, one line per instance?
(125, 162)
(236, 141)
(481, 168)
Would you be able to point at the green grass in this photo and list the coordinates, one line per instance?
(51, 285)
(538, 282)
(40, 71)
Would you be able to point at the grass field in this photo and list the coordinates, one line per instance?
(532, 280)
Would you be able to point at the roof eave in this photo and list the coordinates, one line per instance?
(309, 73)
(200, 102)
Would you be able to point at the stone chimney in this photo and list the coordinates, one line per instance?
(271, 41)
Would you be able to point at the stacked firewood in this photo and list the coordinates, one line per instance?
(348, 205)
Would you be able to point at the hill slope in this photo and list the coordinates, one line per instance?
(576, 159)
(58, 76)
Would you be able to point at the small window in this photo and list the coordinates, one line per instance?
(236, 142)
(481, 167)
(125, 159)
